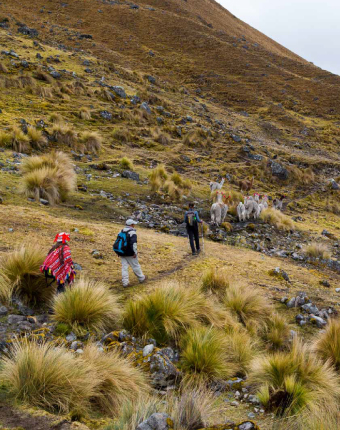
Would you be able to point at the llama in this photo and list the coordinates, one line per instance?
(241, 212)
(219, 209)
(246, 185)
(278, 203)
(264, 202)
(257, 198)
(251, 207)
(216, 186)
(260, 208)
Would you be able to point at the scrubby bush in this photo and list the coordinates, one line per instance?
(48, 377)
(204, 355)
(21, 276)
(50, 176)
(91, 142)
(126, 164)
(289, 382)
(278, 219)
(317, 250)
(327, 344)
(119, 380)
(248, 304)
(168, 310)
(88, 305)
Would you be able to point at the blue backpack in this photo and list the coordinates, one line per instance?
(122, 246)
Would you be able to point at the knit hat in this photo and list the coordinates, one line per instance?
(62, 237)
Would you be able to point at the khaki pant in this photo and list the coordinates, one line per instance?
(135, 266)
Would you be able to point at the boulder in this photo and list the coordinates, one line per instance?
(145, 106)
(15, 319)
(163, 372)
(106, 115)
(128, 174)
(32, 32)
(279, 171)
(119, 91)
(158, 421)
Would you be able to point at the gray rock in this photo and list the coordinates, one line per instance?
(163, 372)
(337, 290)
(246, 426)
(119, 91)
(128, 174)
(76, 345)
(106, 115)
(145, 106)
(32, 32)
(334, 185)
(236, 138)
(251, 415)
(281, 273)
(44, 202)
(151, 79)
(279, 171)
(320, 322)
(135, 100)
(234, 403)
(55, 74)
(310, 308)
(71, 337)
(3, 310)
(253, 399)
(97, 255)
(77, 267)
(158, 421)
(147, 350)
(15, 319)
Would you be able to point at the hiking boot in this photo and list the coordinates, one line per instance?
(126, 286)
(198, 251)
(144, 280)
(194, 253)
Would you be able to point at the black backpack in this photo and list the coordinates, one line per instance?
(122, 245)
(191, 219)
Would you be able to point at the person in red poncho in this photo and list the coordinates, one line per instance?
(58, 263)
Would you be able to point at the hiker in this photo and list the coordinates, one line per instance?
(192, 219)
(58, 265)
(125, 247)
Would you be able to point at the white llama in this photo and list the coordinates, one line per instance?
(218, 210)
(216, 185)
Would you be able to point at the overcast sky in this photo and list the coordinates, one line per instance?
(310, 28)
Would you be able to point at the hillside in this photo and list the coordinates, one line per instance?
(114, 109)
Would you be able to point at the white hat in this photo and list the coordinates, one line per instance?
(131, 222)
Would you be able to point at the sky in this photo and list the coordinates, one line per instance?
(310, 28)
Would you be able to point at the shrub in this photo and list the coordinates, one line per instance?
(204, 355)
(278, 219)
(327, 344)
(21, 274)
(276, 331)
(85, 113)
(126, 164)
(317, 250)
(92, 142)
(49, 377)
(50, 176)
(36, 137)
(168, 310)
(295, 380)
(214, 280)
(87, 305)
(120, 381)
(20, 142)
(249, 305)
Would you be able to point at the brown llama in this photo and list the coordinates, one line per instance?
(246, 185)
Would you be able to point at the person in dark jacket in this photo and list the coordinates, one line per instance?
(192, 219)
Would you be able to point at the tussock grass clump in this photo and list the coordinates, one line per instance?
(56, 118)
(304, 176)
(20, 275)
(277, 331)
(50, 176)
(317, 250)
(248, 304)
(118, 380)
(175, 193)
(241, 350)
(122, 135)
(126, 164)
(195, 138)
(289, 382)
(5, 139)
(43, 76)
(87, 305)
(36, 138)
(184, 184)
(65, 135)
(278, 219)
(91, 141)
(162, 138)
(327, 344)
(48, 377)
(20, 142)
(157, 177)
(42, 91)
(214, 280)
(85, 113)
(204, 355)
(173, 187)
(333, 207)
(3, 68)
(168, 310)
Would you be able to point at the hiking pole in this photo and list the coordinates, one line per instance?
(202, 237)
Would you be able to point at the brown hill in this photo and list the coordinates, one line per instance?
(197, 44)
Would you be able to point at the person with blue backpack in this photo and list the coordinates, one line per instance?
(192, 219)
(125, 247)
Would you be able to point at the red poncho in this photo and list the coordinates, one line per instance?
(59, 264)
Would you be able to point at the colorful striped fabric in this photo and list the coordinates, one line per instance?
(53, 265)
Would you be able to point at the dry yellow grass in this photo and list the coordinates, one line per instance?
(317, 250)
(278, 219)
